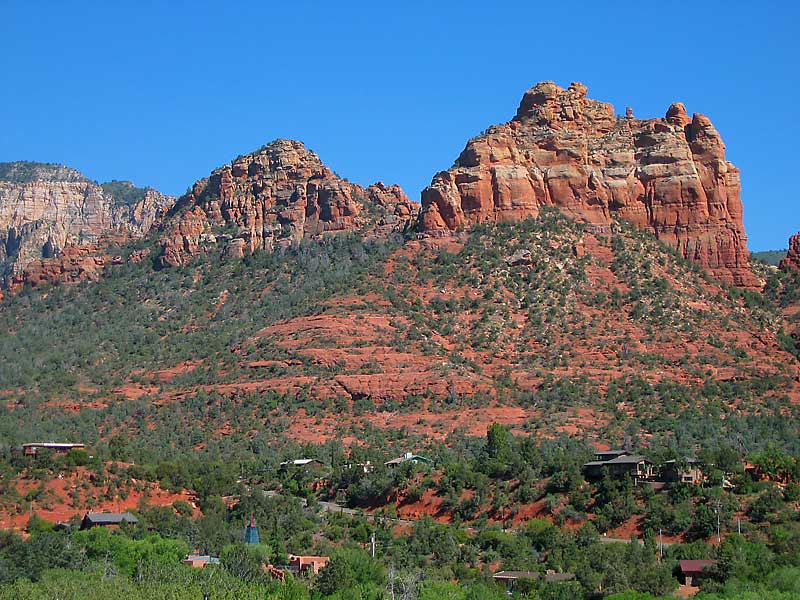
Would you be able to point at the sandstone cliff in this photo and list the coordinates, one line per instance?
(792, 260)
(46, 208)
(277, 196)
(564, 149)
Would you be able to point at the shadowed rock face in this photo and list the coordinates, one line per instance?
(792, 259)
(278, 196)
(47, 208)
(563, 149)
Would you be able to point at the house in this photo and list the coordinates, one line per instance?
(302, 464)
(307, 564)
(511, 577)
(634, 465)
(688, 470)
(98, 519)
(408, 457)
(200, 561)
(32, 448)
(604, 455)
(693, 570)
(298, 565)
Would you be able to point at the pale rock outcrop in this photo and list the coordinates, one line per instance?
(46, 208)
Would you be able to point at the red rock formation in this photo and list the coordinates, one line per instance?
(275, 197)
(563, 149)
(74, 264)
(792, 259)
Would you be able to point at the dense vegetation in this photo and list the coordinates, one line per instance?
(153, 370)
(27, 172)
(481, 480)
(124, 192)
(769, 257)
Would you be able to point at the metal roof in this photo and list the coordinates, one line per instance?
(110, 518)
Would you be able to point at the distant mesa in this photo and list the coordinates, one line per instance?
(276, 197)
(562, 149)
(47, 208)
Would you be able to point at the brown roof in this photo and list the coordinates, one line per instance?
(696, 566)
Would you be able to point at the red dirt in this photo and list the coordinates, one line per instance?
(56, 504)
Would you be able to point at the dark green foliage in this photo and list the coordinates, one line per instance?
(124, 192)
(769, 257)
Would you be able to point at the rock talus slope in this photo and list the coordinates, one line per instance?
(277, 196)
(563, 149)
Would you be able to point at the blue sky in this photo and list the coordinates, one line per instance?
(162, 92)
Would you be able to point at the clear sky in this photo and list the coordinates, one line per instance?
(162, 92)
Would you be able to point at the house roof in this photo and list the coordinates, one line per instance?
(110, 518)
(696, 566)
(408, 456)
(514, 575)
(300, 462)
(54, 445)
(628, 459)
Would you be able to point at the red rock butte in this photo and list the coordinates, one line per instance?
(792, 259)
(562, 149)
(277, 196)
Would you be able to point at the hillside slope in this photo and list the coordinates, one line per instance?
(545, 324)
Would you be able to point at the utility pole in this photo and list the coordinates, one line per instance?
(739, 525)
(372, 543)
(716, 510)
(661, 545)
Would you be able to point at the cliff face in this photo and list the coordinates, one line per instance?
(564, 149)
(792, 260)
(46, 208)
(277, 196)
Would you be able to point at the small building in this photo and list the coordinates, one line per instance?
(511, 577)
(32, 448)
(693, 570)
(307, 564)
(633, 465)
(298, 565)
(200, 561)
(251, 532)
(302, 464)
(98, 519)
(604, 455)
(688, 470)
(408, 457)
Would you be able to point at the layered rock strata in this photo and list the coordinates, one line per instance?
(277, 196)
(46, 208)
(668, 175)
